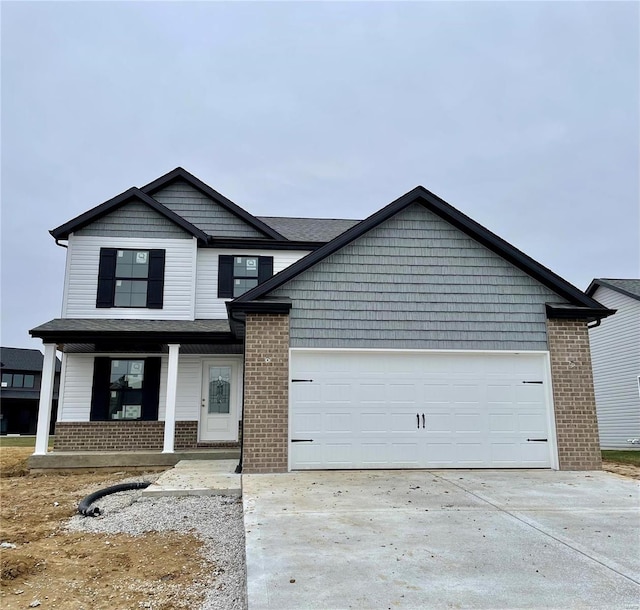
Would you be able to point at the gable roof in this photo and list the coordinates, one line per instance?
(132, 194)
(22, 359)
(182, 174)
(309, 229)
(630, 288)
(435, 204)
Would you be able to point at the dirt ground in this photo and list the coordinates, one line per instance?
(66, 570)
(626, 470)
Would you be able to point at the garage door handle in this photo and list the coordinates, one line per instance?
(302, 440)
(423, 420)
(418, 418)
(537, 440)
(301, 380)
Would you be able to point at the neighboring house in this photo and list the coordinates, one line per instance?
(413, 339)
(20, 391)
(615, 353)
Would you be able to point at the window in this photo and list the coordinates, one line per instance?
(17, 380)
(125, 389)
(238, 274)
(131, 278)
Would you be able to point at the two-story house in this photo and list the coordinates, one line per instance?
(414, 338)
(20, 391)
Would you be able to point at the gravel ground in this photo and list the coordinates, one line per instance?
(215, 520)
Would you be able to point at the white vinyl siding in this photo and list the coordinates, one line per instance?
(77, 377)
(81, 281)
(189, 388)
(208, 305)
(615, 355)
(75, 388)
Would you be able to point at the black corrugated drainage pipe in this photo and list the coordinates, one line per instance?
(84, 508)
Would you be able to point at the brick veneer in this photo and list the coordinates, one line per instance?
(126, 436)
(266, 393)
(573, 395)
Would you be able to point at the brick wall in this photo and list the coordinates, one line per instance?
(573, 395)
(126, 436)
(266, 393)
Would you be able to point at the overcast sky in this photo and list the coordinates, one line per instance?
(525, 116)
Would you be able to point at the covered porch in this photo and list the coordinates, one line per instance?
(154, 390)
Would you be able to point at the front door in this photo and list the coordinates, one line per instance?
(220, 398)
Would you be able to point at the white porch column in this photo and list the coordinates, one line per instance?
(172, 391)
(46, 398)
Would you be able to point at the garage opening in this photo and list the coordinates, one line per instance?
(415, 409)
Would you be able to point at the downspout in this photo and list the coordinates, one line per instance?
(243, 323)
(61, 245)
(598, 321)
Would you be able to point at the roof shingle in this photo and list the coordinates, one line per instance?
(23, 359)
(309, 229)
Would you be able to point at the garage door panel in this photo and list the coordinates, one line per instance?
(339, 453)
(405, 454)
(336, 392)
(361, 410)
(532, 423)
(371, 392)
(374, 422)
(404, 421)
(503, 422)
(439, 421)
(402, 392)
(304, 423)
(436, 392)
(306, 392)
(339, 422)
(440, 453)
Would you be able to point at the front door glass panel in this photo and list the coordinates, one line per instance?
(219, 389)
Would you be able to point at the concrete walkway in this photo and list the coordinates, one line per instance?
(198, 478)
(442, 539)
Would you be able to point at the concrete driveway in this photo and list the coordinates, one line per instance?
(442, 539)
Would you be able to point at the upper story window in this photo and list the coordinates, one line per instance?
(130, 278)
(17, 380)
(238, 274)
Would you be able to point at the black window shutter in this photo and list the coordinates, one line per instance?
(155, 287)
(106, 277)
(225, 276)
(100, 389)
(151, 389)
(265, 268)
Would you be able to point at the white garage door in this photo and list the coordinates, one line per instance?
(352, 409)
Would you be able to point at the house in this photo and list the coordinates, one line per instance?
(20, 391)
(414, 338)
(615, 354)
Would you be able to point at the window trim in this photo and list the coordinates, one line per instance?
(107, 278)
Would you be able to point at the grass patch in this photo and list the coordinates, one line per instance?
(622, 457)
(21, 441)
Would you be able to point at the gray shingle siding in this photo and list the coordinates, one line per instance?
(417, 282)
(203, 212)
(134, 219)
